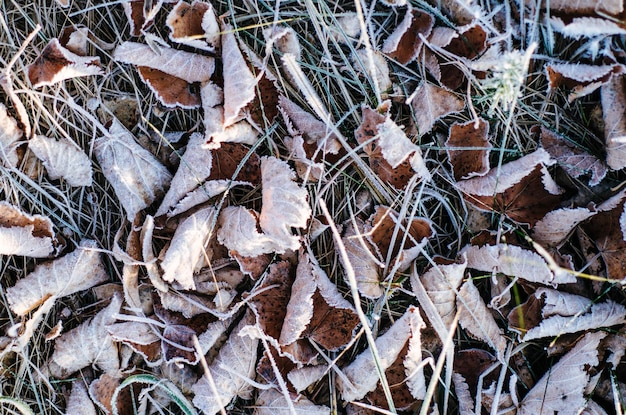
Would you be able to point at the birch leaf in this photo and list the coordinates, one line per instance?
(137, 177)
(561, 389)
(10, 134)
(62, 159)
(239, 81)
(468, 149)
(476, 319)
(557, 225)
(77, 271)
(430, 103)
(367, 268)
(87, 344)
(194, 25)
(190, 67)
(273, 402)
(404, 43)
(515, 261)
(23, 234)
(234, 364)
(613, 98)
(362, 374)
(56, 64)
(285, 204)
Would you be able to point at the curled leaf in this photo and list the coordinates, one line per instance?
(23, 234)
(10, 134)
(405, 42)
(194, 25)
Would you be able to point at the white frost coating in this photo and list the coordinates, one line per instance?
(556, 225)
(62, 159)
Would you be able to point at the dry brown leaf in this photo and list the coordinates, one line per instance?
(234, 364)
(87, 344)
(476, 319)
(74, 38)
(575, 160)
(137, 177)
(10, 135)
(140, 16)
(441, 283)
(561, 389)
(430, 103)
(514, 261)
(404, 43)
(79, 401)
(613, 97)
(169, 90)
(367, 268)
(362, 374)
(583, 6)
(56, 64)
(102, 390)
(557, 225)
(77, 271)
(190, 67)
(140, 337)
(24, 234)
(580, 78)
(188, 250)
(468, 149)
(239, 81)
(522, 189)
(194, 25)
(62, 159)
(273, 402)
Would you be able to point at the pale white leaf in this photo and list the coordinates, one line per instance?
(237, 231)
(137, 177)
(561, 389)
(361, 376)
(62, 159)
(77, 271)
(583, 6)
(558, 224)
(273, 402)
(515, 261)
(477, 320)
(367, 268)
(56, 64)
(204, 193)
(24, 234)
(559, 303)
(195, 167)
(234, 364)
(431, 103)
(285, 204)
(441, 283)
(133, 332)
(377, 68)
(301, 122)
(463, 395)
(240, 132)
(188, 252)
(587, 27)
(302, 377)
(190, 67)
(613, 98)
(10, 134)
(283, 38)
(239, 81)
(194, 25)
(396, 148)
(79, 401)
(87, 344)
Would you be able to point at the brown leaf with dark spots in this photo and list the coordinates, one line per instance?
(265, 369)
(252, 266)
(264, 107)
(472, 363)
(468, 149)
(170, 90)
(396, 377)
(231, 157)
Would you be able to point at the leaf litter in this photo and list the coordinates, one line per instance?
(275, 186)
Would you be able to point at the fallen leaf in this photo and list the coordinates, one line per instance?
(169, 90)
(463, 394)
(79, 401)
(522, 189)
(376, 69)
(575, 160)
(194, 25)
(613, 97)
(238, 231)
(558, 224)
(10, 134)
(583, 6)
(272, 401)
(141, 15)
(580, 78)
(468, 43)
(233, 366)
(561, 389)
(461, 13)
(77, 271)
(441, 283)
(302, 378)
(367, 268)
(468, 149)
(139, 336)
(430, 103)
(472, 364)
(103, 389)
(88, 344)
(514, 261)
(56, 64)
(404, 43)
(586, 26)
(62, 159)
(24, 234)
(190, 67)
(137, 177)
(477, 320)
(361, 376)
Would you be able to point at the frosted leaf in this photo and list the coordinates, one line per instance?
(463, 394)
(468, 149)
(62, 159)
(170, 90)
(10, 134)
(558, 224)
(379, 66)
(190, 67)
(613, 98)
(476, 319)
(404, 43)
(56, 64)
(561, 389)
(137, 177)
(77, 271)
(583, 6)
(367, 268)
(79, 401)
(24, 234)
(587, 26)
(273, 402)
(238, 231)
(430, 103)
(87, 344)
(234, 364)
(194, 25)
